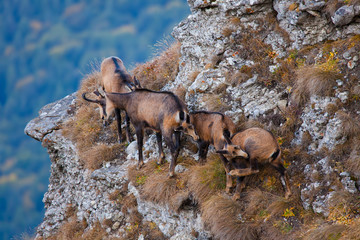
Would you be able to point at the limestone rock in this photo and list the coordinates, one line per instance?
(343, 15)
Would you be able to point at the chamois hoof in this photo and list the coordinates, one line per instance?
(236, 197)
(202, 162)
(288, 195)
(228, 190)
(161, 161)
(130, 140)
(171, 174)
(140, 165)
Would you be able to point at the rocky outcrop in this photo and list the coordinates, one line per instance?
(211, 49)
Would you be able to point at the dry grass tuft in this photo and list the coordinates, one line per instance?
(155, 74)
(350, 125)
(235, 21)
(315, 80)
(193, 75)
(353, 230)
(98, 154)
(151, 231)
(223, 217)
(248, 123)
(204, 181)
(331, 7)
(86, 129)
(227, 31)
(139, 177)
(215, 103)
(352, 164)
(333, 231)
(343, 206)
(331, 109)
(71, 229)
(159, 188)
(306, 140)
(97, 232)
(237, 77)
(265, 205)
(89, 83)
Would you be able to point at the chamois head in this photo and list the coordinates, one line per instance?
(185, 125)
(100, 101)
(232, 150)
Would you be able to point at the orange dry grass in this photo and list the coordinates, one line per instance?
(205, 181)
(157, 187)
(71, 229)
(94, 157)
(223, 217)
(86, 129)
(314, 80)
(161, 70)
(89, 84)
(333, 231)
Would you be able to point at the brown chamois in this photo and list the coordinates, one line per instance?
(162, 112)
(262, 148)
(115, 78)
(213, 128)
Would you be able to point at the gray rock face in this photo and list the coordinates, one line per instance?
(50, 117)
(343, 15)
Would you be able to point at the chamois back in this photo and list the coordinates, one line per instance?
(162, 112)
(114, 76)
(258, 143)
(156, 109)
(213, 127)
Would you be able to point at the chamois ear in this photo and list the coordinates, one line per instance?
(137, 83)
(96, 92)
(130, 86)
(222, 151)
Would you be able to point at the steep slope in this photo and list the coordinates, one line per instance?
(291, 67)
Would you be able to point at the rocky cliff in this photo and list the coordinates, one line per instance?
(291, 67)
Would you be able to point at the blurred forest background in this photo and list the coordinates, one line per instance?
(46, 48)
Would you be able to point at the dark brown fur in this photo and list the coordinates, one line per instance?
(162, 112)
(212, 128)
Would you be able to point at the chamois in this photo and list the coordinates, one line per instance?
(162, 112)
(115, 78)
(261, 147)
(213, 128)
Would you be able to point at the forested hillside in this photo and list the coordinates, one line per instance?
(46, 47)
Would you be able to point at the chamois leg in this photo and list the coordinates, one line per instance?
(229, 182)
(284, 178)
(254, 165)
(161, 152)
(203, 150)
(129, 137)
(118, 120)
(174, 148)
(240, 185)
(140, 136)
